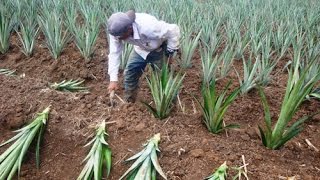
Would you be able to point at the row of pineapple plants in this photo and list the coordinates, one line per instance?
(98, 161)
(263, 42)
(265, 27)
(58, 21)
(303, 76)
(99, 157)
(165, 86)
(263, 45)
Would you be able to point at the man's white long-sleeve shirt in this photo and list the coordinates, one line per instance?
(148, 34)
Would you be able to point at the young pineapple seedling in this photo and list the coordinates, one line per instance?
(11, 159)
(70, 86)
(164, 86)
(146, 165)
(314, 94)
(220, 173)
(99, 154)
(215, 105)
(7, 72)
(298, 86)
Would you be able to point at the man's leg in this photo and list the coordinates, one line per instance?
(134, 69)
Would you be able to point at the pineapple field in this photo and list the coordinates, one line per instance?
(239, 101)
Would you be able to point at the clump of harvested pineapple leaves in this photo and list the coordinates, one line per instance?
(70, 86)
(220, 173)
(7, 72)
(146, 165)
(98, 157)
(11, 159)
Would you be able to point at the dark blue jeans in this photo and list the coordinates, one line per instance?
(135, 67)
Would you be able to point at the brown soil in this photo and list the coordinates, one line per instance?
(188, 150)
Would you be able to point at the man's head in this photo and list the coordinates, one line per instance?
(120, 24)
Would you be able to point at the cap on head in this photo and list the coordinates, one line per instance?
(119, 22)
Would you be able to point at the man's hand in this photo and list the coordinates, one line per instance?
(113, 85)
(170, 54)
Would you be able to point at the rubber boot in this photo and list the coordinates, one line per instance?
(130, 96)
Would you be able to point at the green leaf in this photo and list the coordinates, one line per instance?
(263, 137)
(107, 159)
(215, 105)
(135, 156)
(267, 116)
(153, 174)
(232, 126)
(151, 109)
(147, 164)
(139, 161)
(219, 174)
(11, 159)
(40, 134)
(132, 174)
(156, 164)
(70, 86)
(98, 155)
(143, 169)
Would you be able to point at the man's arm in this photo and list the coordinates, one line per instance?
(171, 32)
(115, 50)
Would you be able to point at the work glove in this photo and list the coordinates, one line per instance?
(170, 52)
